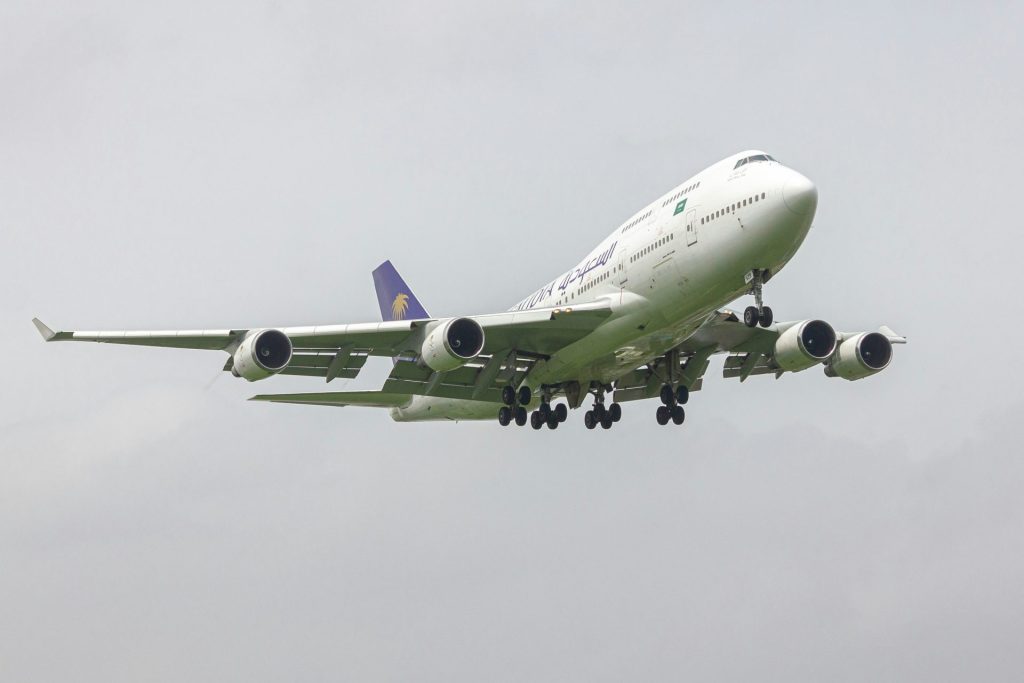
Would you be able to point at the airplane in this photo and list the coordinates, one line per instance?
(639, 317)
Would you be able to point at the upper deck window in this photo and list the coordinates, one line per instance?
(756, 157)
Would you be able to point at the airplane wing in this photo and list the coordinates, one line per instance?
(371, 399)
(751, 352)
(512, 342)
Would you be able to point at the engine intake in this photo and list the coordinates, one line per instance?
(452, 344)
(261, 355)
(805, 344)
(860, 356)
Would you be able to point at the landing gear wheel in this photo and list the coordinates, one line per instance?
(536, 421)
(589, 420)
(664, 413)
(606, 422)
(615, 412)
(667, 396)
(552, 421)
(751, 316)
(521, 416)
(678, 415)
(524, 396)
(599, 411)
(504, 416)
(544, 410)
(508, 395)
(682, 395)
(766, 318)
(562, 412)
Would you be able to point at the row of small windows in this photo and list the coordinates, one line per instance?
(597, 280)
(756, 157)
(732, 207)
(679, 195)
(651, 247)
(633, 223)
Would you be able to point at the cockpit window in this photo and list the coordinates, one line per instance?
(756, 157)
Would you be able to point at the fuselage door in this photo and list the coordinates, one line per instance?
(691, 227)
(622, 267)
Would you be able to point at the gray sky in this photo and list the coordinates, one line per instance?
(181, 165)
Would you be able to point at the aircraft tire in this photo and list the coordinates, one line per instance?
(615, 412)
(750, 316)
(589, 420)
(607, 422)
(562, 412)
(521, 416)
(678, 415)
(536, 421)
(552, 420)
(504, 416)
(599, 411)
(667, 395)
(663, 415)
(508, 395)
(524, 396)
(682, 395)
(766, 317)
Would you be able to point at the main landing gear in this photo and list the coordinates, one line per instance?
(759, 314)
(514, 405)
(600, 415)
(546, 415)
(672, 404)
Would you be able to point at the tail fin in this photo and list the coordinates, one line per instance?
(397, 302)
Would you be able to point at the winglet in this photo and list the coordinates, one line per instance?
(46, 332)
(892, 336)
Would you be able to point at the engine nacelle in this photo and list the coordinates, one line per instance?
(452, 344)
(805, 344)
(262, 354)
(861, 355)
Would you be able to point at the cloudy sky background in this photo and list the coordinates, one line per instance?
(249, 164)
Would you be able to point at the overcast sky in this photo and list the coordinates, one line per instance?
(180, 165)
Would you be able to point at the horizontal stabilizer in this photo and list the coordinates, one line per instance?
(371, 399)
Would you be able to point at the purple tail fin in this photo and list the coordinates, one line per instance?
(396, 300)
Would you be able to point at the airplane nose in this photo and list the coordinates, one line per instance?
(800, 194)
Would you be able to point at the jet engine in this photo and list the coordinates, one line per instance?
(452, 344)
(861, 355)
(262, 354)
(805, 344)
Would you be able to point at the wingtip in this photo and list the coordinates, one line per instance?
(44, 331)
(892, 336)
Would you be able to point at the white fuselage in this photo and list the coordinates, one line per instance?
(664, 271)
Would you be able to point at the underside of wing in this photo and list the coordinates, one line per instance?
(371, 399)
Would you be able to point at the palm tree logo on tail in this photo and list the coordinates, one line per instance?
(399, 306)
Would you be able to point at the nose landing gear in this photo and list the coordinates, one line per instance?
(759, 314)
